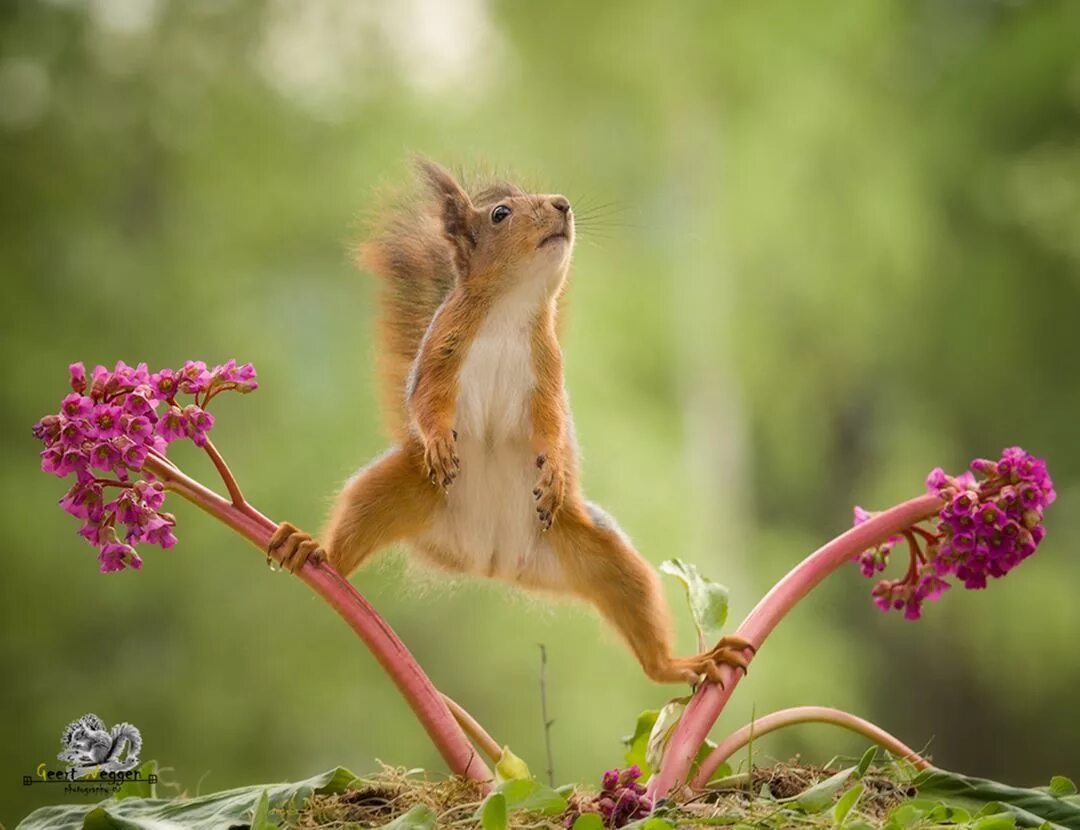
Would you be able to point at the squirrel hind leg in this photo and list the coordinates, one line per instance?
(386, 502)
(603, 568)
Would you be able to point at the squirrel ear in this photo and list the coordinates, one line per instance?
(457, 209)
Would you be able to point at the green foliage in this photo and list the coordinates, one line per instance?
(637, 744)
(243, 806)
(1028, 807)
(817, 798)
(846, 803)
(708, 600)
(531, 796)
(418, 817)
(588, 821)
(493, 812)
(510, 767)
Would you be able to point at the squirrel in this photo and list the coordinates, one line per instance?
(482, 476)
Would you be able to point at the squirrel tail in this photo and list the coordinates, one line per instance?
(408, 252)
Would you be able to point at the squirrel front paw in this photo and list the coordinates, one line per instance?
(549, 491)
(440, 458)
(291, 547)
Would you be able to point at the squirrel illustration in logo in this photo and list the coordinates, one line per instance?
(91, 748)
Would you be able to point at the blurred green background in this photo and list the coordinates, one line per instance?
(843, 247)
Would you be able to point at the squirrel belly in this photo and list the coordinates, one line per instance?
(487, 524)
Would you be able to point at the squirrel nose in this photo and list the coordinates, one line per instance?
(560, 204)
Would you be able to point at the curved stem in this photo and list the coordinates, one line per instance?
(803, 714)
(227, 477)
(709, 700)
(487, 744)
(417, 689)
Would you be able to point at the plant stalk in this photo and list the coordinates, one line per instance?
(429, 706)
(709, 700)
(802, 714)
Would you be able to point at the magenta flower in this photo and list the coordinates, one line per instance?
(164, 384)
(875, 559)
(76, 406)
(194, 377)
(78, 377)
(115, 556)
(172, 426)
(109, 424)
(621, 799)
(197, 422)
(984, 530)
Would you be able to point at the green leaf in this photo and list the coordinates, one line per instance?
(260, 818)
(493, 812)
(665, 724)
(1002, 821)
(588, 821)
(531, 795)
(1029, 807)
(510, 767)
(846, 804)
(1061, 786)
(865, 762)
(818, 797)
(905, 815)
(637, 744)
(420, 817)
(650, 823)
(206, 812)
(708, 600)
(139, 788)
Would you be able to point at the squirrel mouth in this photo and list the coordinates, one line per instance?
(551, 237)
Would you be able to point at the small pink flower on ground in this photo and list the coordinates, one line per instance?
(621, 799)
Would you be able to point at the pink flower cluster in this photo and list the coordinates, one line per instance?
(985, 529)
(109, 424)
(621, 800)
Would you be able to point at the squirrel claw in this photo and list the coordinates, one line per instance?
(728, 651)
(548, 493)
(441, 460)
(292, 548)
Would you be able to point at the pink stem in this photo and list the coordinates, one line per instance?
(709, 700)
(430, 707)
(803, 714)
(227, 477)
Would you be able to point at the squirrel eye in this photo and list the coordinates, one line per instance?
(499, 212)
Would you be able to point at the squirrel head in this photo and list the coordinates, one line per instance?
(504, 235)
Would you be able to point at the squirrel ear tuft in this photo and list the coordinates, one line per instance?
(457, 209)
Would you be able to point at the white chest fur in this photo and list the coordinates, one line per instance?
(489, 523)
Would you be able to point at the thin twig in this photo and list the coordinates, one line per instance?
(544, 714)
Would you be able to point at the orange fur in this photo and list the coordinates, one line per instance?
(473, 377)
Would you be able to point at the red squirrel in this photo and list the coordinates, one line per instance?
(482, 476)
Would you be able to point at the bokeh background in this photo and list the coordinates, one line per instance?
(842, 247)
